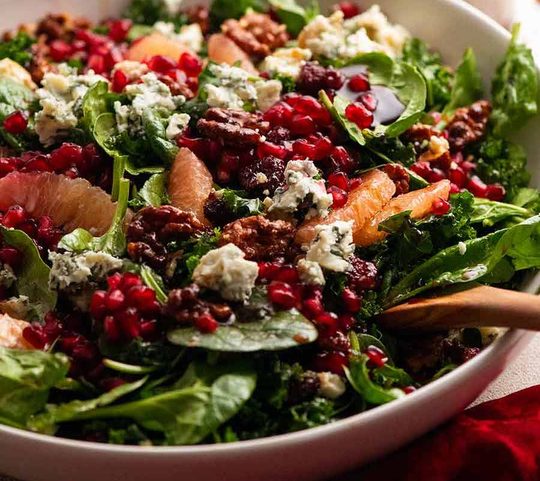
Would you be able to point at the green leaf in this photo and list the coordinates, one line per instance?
(96, 101)
(221, 10)
(527, 197)
(154, 192)
(488, 212)
(18, 48)
(26, 376)
(33, 272)
(514, 89)
(337, 110)
(474, 260)
(467, 86)
(163, 148)
(239, 205)
(154, 280)
(146, 12)
(282, 330)
(294, 16)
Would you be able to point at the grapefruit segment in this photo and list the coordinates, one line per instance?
(363, 203)
(419, 202)
(70, 203)
(190, 183)
(155, 44)
(221, 49)
(11, 333)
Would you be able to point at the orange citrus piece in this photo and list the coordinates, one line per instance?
(155, 44)
(190, 183)
(221, 49)
(70, 203)
(11, 333)
(419, 202)
(364, 202)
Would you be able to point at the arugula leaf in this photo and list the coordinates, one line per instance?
(514, 89)
(33, 273)
(488, 212)
(18, 48)
(467, 87)
(153, 192)
(26, 376)
(281, 330)
(504, 251)
(294, 16)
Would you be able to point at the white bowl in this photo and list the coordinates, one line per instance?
(450, 26)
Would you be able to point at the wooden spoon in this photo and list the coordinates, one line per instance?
(480, 306)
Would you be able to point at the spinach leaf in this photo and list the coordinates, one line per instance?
(26, 376)
(438, 77)
(503, 251)
(337, 110)
(514, 89)
(160, 145)
(488, 212)
(467, 87)
(221, 10)
(294, 16)
(33, 272)
(153, 192)
(18, 48)
(281, 330)
(527, 197)
(154, 280)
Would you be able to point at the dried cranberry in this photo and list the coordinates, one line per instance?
(265, 174)
(362, 274)
(314, 77)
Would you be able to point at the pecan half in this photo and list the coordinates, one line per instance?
(60, 26)
(468, 125)
(201, 15)
(261, 239)
(185, 305)
(256, 33)
(39, 65)
(233, 126)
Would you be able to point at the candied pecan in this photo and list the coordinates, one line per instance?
(261, 239)
(398, 174)
(185, 305)
(256, 33)
(201, 15)
(418, 134)
(39, 64)
(232, 126)
(468, 125)
(60, 26)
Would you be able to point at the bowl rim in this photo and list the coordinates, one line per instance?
(470, 369)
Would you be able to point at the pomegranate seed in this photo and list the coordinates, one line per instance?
(115, 300)
(342, 158)
(144, 299)
(423, 169)
(339, 197)
(440, 207)
(495, 192)
(359, 83)
(312, 307)
(112, 57)
(267, 270)
(340, 180)
(358, 114)
(266, 149)
(59, 50)
(435, 175)
(111, 329)
(355, 183)
(286, 274)
(346, 321)
(35, 337)
(280, 114)
(206, 323)
(40, 163)
(369, 101)
(191, 64)
(118, 29)
(349, 9)
(96, 63)
(97, 304)
(15, 123)
(129, 320)
(351, 300)
(457, 175)
(282, 294)
(477, 187)
(149, 329)
(302, 125)
(14, 216)
(10, 256)
(468, 166)
(161, 64)
(119, 81)
(304, 149)
(330, 361)
(327, 320)
(409, 389)
(65, 155)
(323, 148)
(377, 357)
(125, 281)
(454, 189)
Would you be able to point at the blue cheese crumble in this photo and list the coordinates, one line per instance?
(190, 35)
(286, 62)
(332, 246)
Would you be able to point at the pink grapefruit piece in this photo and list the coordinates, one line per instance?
(71, 203)
(363, 203)
(419, 202)
(221, 49)
(11, 333)
(155, 44)
(190, 183)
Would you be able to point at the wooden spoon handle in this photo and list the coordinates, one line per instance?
(480, 306)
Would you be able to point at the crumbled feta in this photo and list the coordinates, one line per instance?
(286, 62)
(61, 100)
(17, 73)
(70, 268)
(332, 246)
(225, 270)
(302, 184)
(334, 37)
(261, 178)
(177, 124)
(238, 88)
(190, 35)
(7, 276)
(331, 385)
(462, 248)
(133, 70)
(310, 273)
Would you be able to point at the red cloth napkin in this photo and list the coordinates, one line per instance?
(495, 441)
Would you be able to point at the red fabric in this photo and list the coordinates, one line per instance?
(495, 441)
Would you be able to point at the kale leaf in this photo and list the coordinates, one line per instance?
(18, 48)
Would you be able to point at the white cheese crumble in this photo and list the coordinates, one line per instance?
(437, 147)
(286, 62)
(61, 100)
(310, 273)
(70, 268)
(134, 70)
(332, 246)
(177, 124)
(238, 88)
(16, 72)
(225, 270)
(331, 385)
(334, 37)
(302, 184)
(462, 248)
(190, 35)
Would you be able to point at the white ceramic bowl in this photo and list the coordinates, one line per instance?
(316, 454)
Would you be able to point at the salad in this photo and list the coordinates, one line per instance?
(203, 211)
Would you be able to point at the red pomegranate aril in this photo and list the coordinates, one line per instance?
(377, 357)
(331, 362)
(118, 29)
(342, 158)
(10, 256)
(161, 64)
(125, 281)
(129, 320)
(84, 352)
(286, 274)
(119, 81)
(14, 216)
(143, 297)
(355, 183)
(282, 294)
(266, 149)
(115, 300)
(323, 148)
(468, 166)
(97, 304)
(457, 175)
(346, 322)
(111, 329)
(304, 149)
(440, 207)
(312, 307)
(302, 125)
(351, 300)
(477, 187)
(339, 179)
(408, 389)
(67, 154)
(339, 197)
(349, 9)
(369, 101)
(358, 83)
(423, 169)
(96, 63)
(191, 64)
(112, 57)
(454, 189)
(60, 51)
(267, 270)
(357, 113)
(35, 337)
(40, 163)
(326, 320)
(149, 329)
(495, 192)
(15, 123)
(206, 323)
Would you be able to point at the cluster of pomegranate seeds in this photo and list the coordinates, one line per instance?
(359, 114)
(184, 71)
(377, 357)
(69, 159)
(41, 229)
(127, 309)
(15, 123)
(440, 207)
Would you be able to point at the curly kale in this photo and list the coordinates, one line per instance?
(18, 48)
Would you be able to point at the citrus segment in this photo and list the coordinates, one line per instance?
(155, 44)
(11, 333)
(222, 49)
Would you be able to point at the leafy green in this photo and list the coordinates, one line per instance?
(488, 212)
(221, 10)
(154, 128)
(153, 192)
(32, 273)
(438, 77)
(467, 86)
(26, 376)
(154, 280)
(14, 96)
(527, 197)
(294, 16)
(18, 48)
(337, 110)
(238, 205)
(96, 101)
(514, 89)
(501, 252)
(148, 12)
(282, 330)
(198, 247)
